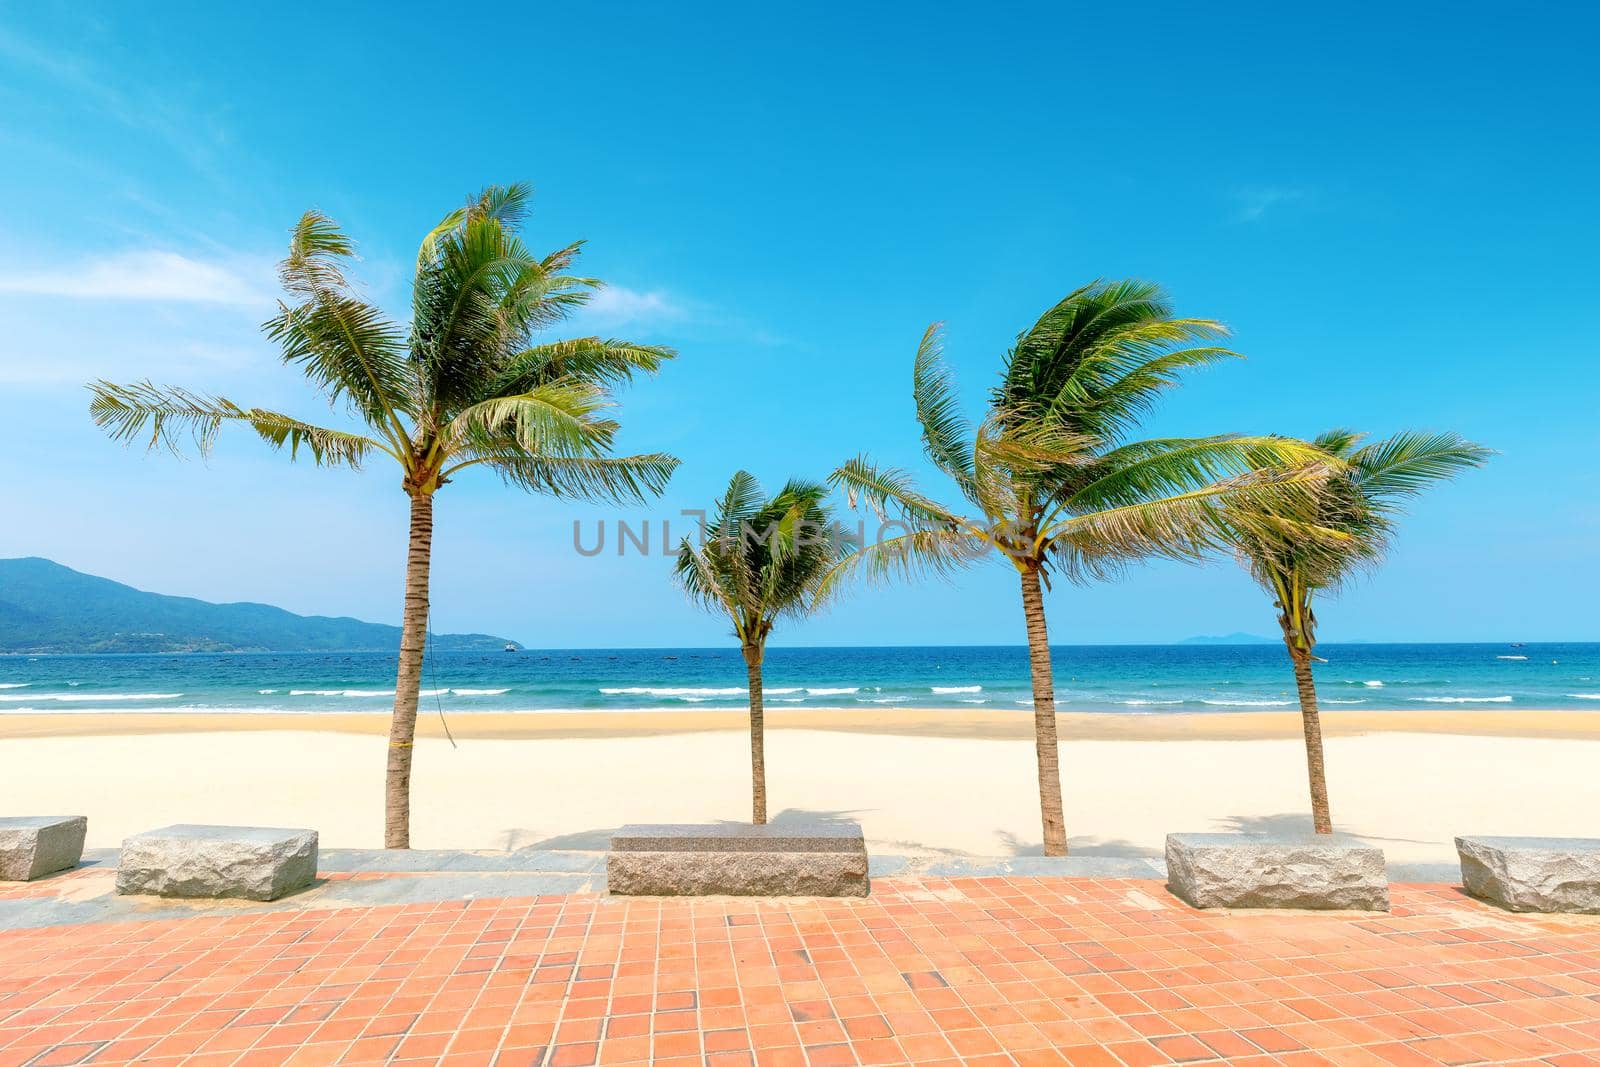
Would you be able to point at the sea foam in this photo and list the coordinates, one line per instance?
(76, 697)
(358, 693)
(1461, 700)
(1247, 703)
(957, 688)
(672, 691)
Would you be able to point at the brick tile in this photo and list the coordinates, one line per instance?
(938, 971)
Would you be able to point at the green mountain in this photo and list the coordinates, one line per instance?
(45, 607)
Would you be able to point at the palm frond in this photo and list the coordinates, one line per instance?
(602, 361)
(1190, 525)
(1029, 448)
(696, 574)
(1407, 463)
(601, 479)
(480, 293)
(168, 415)
(1144, 470)
(931, 552)
(887, 490)
(556, 420)
(345, 345)
(945, 433)
(1096, 360)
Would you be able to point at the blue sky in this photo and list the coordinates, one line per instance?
(1394, 209)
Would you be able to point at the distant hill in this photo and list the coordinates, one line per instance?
(45, 607)
(1230, 639)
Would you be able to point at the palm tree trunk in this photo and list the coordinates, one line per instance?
(1044, 715)
(1311, 721)
(758, 742)
(408, 680)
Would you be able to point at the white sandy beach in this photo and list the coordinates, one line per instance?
(915, 793)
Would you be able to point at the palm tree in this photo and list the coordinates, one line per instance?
(1051, 481)
(1360, 502)
(468, 385)
(759, 560)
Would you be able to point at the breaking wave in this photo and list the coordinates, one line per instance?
(1248, 703)
(672, 691)
(76, 697)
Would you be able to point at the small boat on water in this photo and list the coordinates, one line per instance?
(512, 648)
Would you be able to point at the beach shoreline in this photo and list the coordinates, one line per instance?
(999, 724)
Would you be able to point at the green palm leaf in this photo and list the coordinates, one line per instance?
(345, 345)
(945, 432)
(167, 415)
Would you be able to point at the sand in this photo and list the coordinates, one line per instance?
(920, 782)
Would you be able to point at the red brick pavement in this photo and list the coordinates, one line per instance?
(977, 971)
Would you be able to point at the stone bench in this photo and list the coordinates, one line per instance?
(1546, 874)
(244, 862)
(1307, 872)
(737, 859)
(32, 846)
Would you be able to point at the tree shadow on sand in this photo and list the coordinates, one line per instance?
(1079, 846)
(599, 839)
(1292, 824)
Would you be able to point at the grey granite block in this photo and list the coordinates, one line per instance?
(739, 837)
(827, 859)
(246, 862)
(1246, 871)
(1543, 874)
(32, 846)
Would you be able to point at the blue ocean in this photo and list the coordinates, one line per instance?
(1126, 679)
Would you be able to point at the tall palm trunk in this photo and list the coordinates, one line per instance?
(408, 680)
(758, 741)
(1044, 715)
(1311, 721)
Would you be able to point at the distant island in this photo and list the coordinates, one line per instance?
(48, 608)
(1230, 639)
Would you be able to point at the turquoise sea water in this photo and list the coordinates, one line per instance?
(1129, 679)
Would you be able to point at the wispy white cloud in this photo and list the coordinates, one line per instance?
(617, 306)
(149, 275)
(192, 132)
(1255, 203)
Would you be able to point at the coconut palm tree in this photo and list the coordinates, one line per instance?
(468, 385)
(1360, 502)
(761, 559)
(1051, 481)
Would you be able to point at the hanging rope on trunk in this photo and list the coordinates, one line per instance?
(433, 675)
